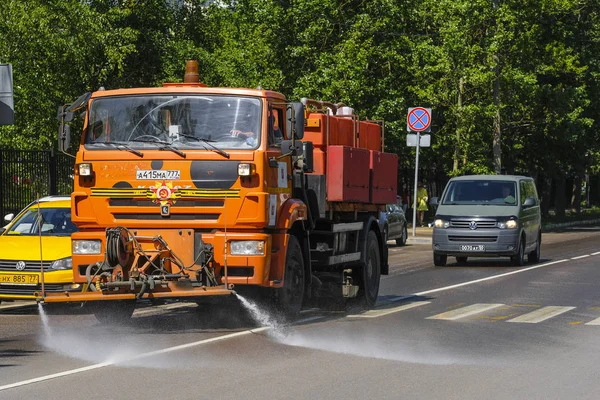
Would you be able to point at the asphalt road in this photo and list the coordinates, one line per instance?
(482, 330)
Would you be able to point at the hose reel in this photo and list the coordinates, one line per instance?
(119, 248)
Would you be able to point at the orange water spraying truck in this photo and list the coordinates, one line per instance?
(192, 192)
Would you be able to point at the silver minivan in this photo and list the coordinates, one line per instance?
(487, 215)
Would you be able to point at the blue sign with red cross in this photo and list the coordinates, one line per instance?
(418, 119)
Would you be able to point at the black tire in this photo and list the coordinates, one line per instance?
(519, 258)
(403, 238)
(461, 260)
(534, 256)
(439, 260)
(369, 275)
(113, 312)
(288, 299)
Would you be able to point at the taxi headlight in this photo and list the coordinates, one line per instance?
(510, 224)
(440, 223)
(87, 246)
(247, 247)
(63, 263)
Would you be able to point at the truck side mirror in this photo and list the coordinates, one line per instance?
(295, 114)
(64, 137)
(291, 147)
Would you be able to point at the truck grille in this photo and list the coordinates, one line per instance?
(464, 224)
(186, 217)
(31, 266)
(472, 239)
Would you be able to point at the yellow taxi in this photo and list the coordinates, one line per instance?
(38, 239)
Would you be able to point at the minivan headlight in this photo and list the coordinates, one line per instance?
(87, 247)
(509, 224)
(440, 223)
(63, 263)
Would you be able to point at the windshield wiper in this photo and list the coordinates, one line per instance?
(165, 146)
(123, 146)
(207, 141)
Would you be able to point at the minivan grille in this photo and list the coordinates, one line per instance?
(472, 239)
(465, 224)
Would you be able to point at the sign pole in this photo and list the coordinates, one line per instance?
(414, 223)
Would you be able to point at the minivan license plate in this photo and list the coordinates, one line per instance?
(471, 247)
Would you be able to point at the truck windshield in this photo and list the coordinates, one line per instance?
(182, 121)
(481, 192)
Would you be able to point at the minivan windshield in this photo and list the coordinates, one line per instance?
(178, 121)
(481, 192)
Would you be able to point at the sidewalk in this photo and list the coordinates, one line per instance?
(422, 235)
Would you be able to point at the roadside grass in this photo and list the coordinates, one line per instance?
(586, 214)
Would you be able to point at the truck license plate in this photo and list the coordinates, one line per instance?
(19, 279)
(152, 174)
(471, 247)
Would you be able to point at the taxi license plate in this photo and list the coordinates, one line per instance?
(471, 247)
(18, 279)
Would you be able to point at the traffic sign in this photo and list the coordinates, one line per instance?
(424, 140)
(418, 119)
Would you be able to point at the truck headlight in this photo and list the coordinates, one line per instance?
(87, 247)
(246, 169)
(440, 223)
(509, 224)
(63, 263)
(247, 247)
(85, 169)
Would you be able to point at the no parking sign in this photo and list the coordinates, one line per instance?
(418, 119)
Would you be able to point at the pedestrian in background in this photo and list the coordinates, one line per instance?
(422, 198)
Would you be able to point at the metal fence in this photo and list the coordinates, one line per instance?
(27, 174)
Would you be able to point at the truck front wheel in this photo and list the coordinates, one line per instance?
(288, 299)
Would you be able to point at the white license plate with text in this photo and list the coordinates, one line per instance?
(472, 247)
(152, 174)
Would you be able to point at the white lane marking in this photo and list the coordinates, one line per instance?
(596, 253)
(155, 309)
(578, 257)
(143, 355)
(464, 312)
(594, 322)
(18, 305)
(540, 315)
(385, 311)
(489, 278)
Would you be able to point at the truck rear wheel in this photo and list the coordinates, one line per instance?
(288, 299)
(370, 274)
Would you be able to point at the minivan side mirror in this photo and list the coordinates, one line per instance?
(433, 201)
(529, 202)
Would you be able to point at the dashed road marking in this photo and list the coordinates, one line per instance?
(385, 311)
(594, 322)
(540, 315)
(578, 257)
(465, 311)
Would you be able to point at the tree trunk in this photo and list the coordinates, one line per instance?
(546, 196)
(560, 199)
(461, 83)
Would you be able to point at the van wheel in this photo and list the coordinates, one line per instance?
(534, 256)
(519, 259)
(461, 260)
(439, 260)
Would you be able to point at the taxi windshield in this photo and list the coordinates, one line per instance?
(52, 221)
(178, 121)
